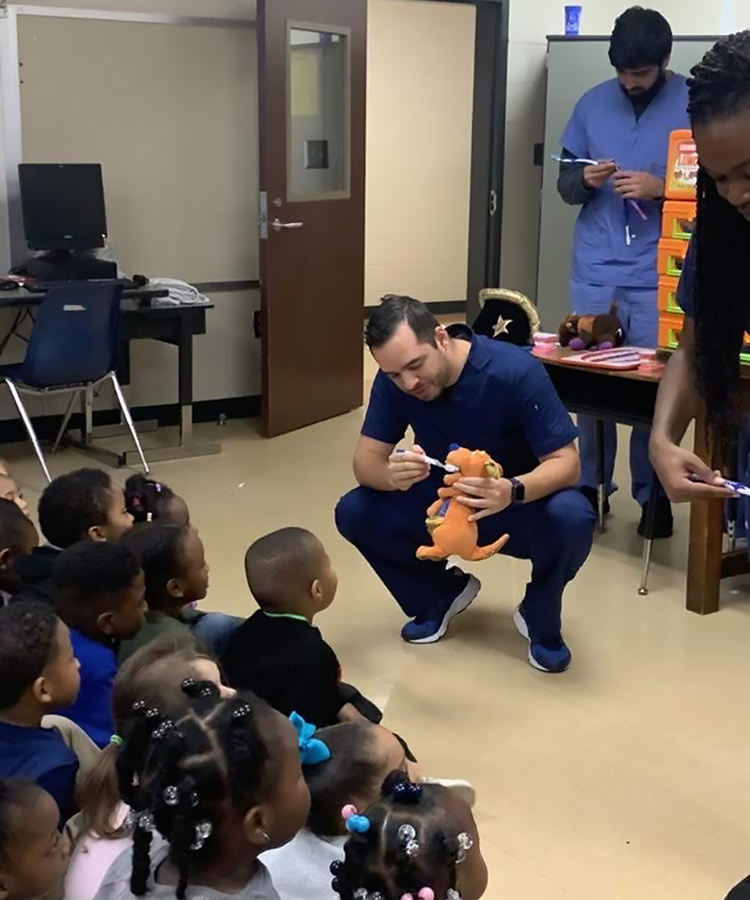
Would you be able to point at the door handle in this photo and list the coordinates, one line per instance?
(278, 225)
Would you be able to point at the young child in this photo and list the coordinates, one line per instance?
(84, 505)
(174, 562)
(18, 537)
(154, 501)
(277, 652)
(419, 842)
(33, 853)
(155, 675)
(362, 756)
(99, 592)
(221, 784)
(38, 675)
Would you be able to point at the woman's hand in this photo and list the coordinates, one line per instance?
(684, 476)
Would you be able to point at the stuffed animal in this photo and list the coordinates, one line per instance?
(581, 332)
(448, 521)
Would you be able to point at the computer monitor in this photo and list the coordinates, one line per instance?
(63, 206)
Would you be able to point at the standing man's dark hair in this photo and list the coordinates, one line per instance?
(641, 37)
(393, 311)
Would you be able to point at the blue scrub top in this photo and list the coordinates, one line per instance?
(93, 708)
(503, 402)
(604, 126)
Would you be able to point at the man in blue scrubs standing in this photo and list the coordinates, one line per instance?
(451, 386)
(625, 124)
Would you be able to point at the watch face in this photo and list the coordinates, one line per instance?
(519, 491)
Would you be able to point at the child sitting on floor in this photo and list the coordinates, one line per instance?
(38, 675)
(84, 505)
(154, 675)
(222, 784)
(9, 491)
(33, 853)
(419, 842)
(154, 501)
(99, 592)
(174, 563)
(277, 652)
(18, 538)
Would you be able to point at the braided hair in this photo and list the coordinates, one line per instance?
(178, 777)
(411, 844)
(150, 501)
(720, 88)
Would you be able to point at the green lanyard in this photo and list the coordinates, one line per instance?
(273, 615)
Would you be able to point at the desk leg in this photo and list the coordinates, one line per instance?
(601, 487)
(704, 546)
(648, 541)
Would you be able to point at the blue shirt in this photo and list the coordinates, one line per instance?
(40, 755)
(503, 403)
(604, 126)
(93, 708)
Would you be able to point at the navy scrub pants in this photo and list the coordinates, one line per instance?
(554, 533)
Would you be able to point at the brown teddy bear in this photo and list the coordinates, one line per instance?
(582, 332)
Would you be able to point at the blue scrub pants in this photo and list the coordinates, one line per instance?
(554, 533)
(637, 311)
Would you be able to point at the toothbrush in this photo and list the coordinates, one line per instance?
(436, 462)
(595, 162)
(737, 486)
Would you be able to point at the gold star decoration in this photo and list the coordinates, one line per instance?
(501, 326)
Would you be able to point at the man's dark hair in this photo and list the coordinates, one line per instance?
(393, 311)
(14, 526)
(74, 503)
(281, 566)
(719, 89)
(641, 37)
(27, 644)
(88, 577)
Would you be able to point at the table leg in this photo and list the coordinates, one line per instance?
(648, 541)
(705, 543)
(601, 487)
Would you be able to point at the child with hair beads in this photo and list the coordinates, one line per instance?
(154, 674)
(222, 784)
(33, 853)
(174, 563)
(18, 538)
(99, 592)
(419, 842)
(154, 501)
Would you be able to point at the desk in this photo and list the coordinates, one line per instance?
(174, 325)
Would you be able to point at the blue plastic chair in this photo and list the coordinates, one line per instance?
(74, 347)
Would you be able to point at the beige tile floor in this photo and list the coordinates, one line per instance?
(627, 778)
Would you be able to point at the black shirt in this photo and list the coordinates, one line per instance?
(36, 574)
(286, 662)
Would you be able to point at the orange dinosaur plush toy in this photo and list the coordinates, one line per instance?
(448, 521)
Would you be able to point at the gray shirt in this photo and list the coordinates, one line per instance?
(301, 870)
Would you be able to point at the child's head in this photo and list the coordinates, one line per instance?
(154, 501)
(222, 784)
(9, 491)
(18, 538)
(362, 756)
(84, 505)
(289, 571)
(174, 563)
(38, 669)
(417, 841)
(33, 854)
(99, 589)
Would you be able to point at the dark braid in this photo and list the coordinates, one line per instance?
(720, 88)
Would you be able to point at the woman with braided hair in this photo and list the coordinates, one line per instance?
(715, 286)
(220, 784)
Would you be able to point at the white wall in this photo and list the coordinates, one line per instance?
(419, 94)
(530, 23)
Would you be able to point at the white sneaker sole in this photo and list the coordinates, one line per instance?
(464, 600)
(523, 629)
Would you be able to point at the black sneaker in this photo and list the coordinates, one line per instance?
(592, 495)
(663, 522)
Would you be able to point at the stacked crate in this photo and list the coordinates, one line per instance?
(678, 223)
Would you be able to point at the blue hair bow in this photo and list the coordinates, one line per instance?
(311, 749)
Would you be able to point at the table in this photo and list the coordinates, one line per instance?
(176, 325)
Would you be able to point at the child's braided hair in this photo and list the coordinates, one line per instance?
(410, 845)
(178, 777)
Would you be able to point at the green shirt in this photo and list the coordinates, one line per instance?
(158, 624)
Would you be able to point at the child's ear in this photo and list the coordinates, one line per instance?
(96, 533)
(106, 623)
(174, 588)
(316, 590)
(255, 827)
(41, 695)
(6, 556)
(4, 889)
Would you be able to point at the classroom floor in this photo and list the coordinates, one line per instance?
(627, 778)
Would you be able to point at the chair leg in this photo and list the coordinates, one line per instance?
(128, 419)
(29, 427)
(66, 420)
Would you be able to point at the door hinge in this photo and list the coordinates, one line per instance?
(493, 202)
(263, 216)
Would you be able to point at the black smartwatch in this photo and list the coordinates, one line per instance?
(517, 492)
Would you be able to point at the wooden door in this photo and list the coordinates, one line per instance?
(312, 63)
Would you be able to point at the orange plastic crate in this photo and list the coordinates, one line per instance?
(670, 329)
(682, 166)
(678, 219)
(668, 295)
(672, 257)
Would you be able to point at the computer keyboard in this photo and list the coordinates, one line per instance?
(39, 286)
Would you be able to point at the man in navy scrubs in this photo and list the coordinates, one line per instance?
(453, 387)
(625, 124)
